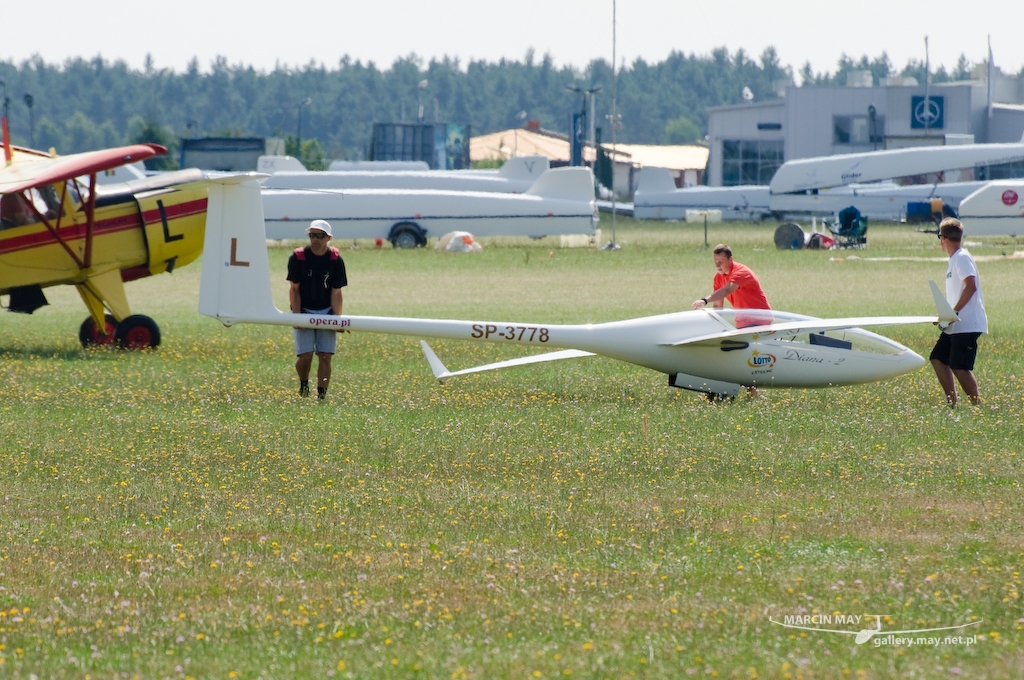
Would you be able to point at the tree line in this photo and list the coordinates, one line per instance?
(86, 104)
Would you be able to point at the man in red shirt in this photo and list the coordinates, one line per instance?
(737, 284)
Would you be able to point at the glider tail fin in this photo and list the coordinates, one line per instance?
(440, 372)
(942, 307)
(235, 285)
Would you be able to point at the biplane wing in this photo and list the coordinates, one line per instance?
(30, 170)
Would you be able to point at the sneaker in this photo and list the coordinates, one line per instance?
(303, 388)
(321, 393)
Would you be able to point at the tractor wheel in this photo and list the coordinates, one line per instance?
(89, 333)
(137, 332)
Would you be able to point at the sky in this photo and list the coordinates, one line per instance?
(574, 32)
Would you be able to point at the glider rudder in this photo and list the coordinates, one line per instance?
(235, 284)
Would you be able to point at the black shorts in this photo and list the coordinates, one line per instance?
(957, 350)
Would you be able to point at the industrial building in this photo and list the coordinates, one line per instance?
(685, 163)
(749, 141)
(227, 154)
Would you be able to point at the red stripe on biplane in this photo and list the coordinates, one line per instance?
(111, 225)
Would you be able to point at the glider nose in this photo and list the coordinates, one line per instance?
(905, 362)
(913, 360)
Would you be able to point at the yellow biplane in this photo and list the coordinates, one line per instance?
(57, 226)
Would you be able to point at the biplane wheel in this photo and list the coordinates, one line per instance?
(89, 333)
(137, 332)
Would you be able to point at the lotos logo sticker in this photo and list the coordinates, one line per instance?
(1010, 197)
(758, 360)
(328, 321)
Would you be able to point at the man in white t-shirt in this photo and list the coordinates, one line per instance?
(957, 348)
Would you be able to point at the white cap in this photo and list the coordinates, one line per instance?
(322, 225)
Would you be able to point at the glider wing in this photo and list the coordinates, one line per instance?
(804, 326)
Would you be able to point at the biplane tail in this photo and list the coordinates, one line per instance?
(235, 285)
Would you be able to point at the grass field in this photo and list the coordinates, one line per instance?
(183, 513)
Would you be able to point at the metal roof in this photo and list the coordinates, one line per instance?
(523, 142)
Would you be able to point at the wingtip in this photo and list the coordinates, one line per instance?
(438, 368)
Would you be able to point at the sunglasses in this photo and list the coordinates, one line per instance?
(314, 234)
(940, 237)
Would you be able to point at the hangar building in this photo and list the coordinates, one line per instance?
(749, 141)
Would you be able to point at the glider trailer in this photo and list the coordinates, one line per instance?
(559, 202)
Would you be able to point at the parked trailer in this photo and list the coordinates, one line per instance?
(996, 209)
(880, 201)
(658, 198)
(560, 202)
(516, 176)
(274, 164)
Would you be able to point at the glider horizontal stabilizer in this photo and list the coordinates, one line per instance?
(442, 373)
(946, 313)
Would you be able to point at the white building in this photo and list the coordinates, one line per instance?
(748, 142)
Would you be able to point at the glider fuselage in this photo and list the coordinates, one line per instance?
(779, 359)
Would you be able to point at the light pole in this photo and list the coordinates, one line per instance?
(591, 92)
(31, 125)
(587, 111)
(421, 86)
(522, 119)
(573, 128)
(588, 107)
(298, 137)
(8, 152)
(614, 118)
(927, 86)
(872, 116)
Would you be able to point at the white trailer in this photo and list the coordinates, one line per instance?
(995, 209)
(658, 198)
(516, 176)
(560, 202)
(274, 164)
(879, 201)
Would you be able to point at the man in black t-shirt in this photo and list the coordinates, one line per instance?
(316, 275)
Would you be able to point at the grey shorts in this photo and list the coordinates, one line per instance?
(315, 340)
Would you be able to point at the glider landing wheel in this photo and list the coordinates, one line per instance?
(137, 332)
(89, 333)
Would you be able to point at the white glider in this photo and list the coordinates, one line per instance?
(870, 166)
(710, 351)
(658, 198)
